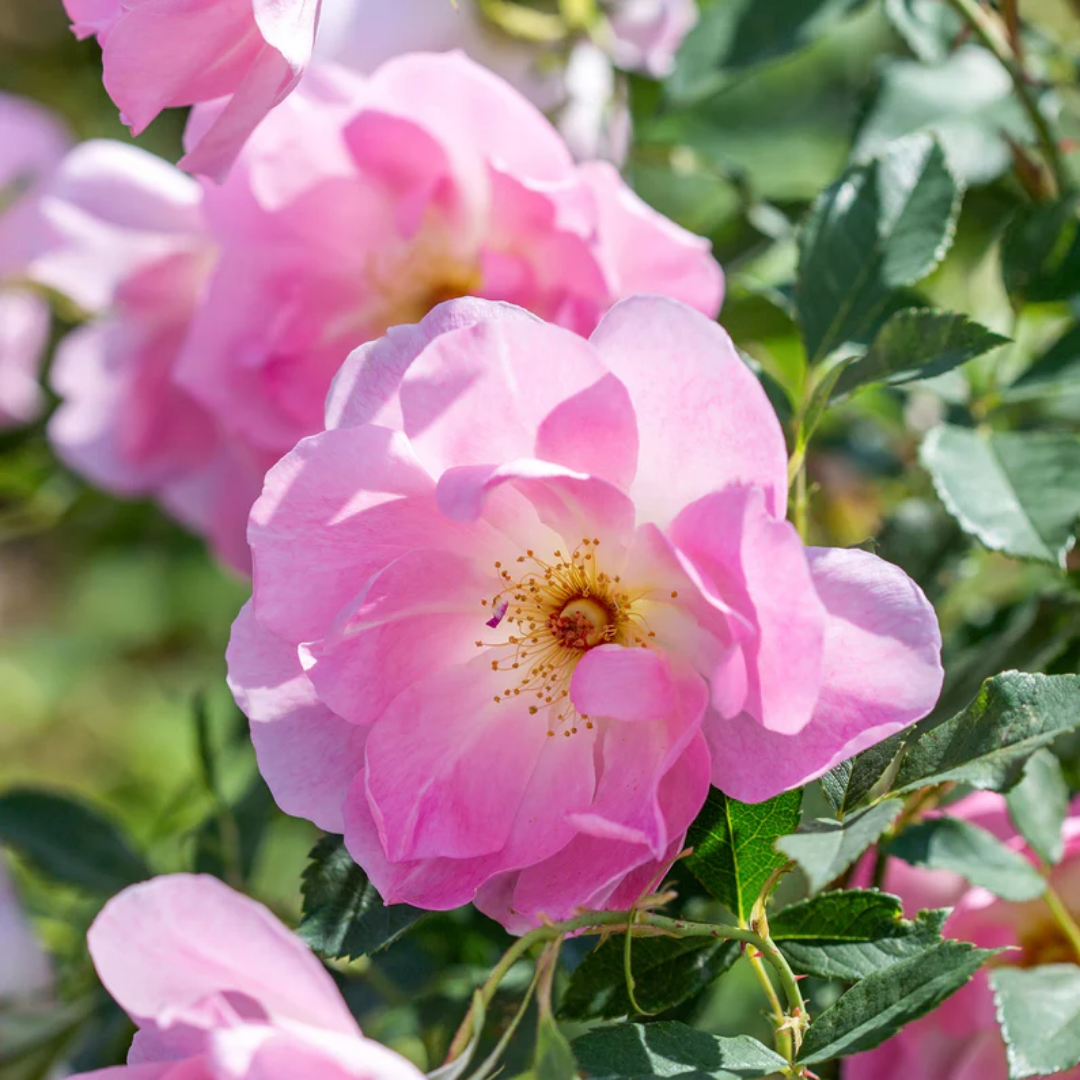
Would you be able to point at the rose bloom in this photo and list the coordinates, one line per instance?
(220, 990)
(163, 53)
(568, 75)
(962, 1040)
(528, 594)
(25, 973)
(222, 312)
(32, 142)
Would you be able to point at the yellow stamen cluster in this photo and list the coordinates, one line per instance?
(557, 611)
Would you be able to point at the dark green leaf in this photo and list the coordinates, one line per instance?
(554, 1059)
(667, 972)
(947, 843)
(1017, 491)
(1013, 715)
(733, 852)
(883, 226)
(852, 960)
(928, 26)
(235, 834)
(738, 34)
(879, 1005)
(1039, 1012)
(1056, 371)
(827, 848)
(918, 344)
(1039, 804)
(670, 1049)
(844, 915)
(847, 784)
(344, 916)
(70, 841)
(966, 101)
(1040, 252)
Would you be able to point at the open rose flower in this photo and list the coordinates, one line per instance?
(163, 53)
(220, 990)
(32, 142)
(962, 1040)
(222, 313)
(528, 593)
(24, 973)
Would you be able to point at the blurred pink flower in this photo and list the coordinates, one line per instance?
(163, 53)
(220, 990)
(32, 142)
(528, 593)
(25, 972)
(357, 205)
(961, 1040)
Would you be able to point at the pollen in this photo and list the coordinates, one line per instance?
(552, 615)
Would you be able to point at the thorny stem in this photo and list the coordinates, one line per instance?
(987, 29)
(1063, 918)
(599, 922)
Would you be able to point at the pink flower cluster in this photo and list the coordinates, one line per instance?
(962, 1040)
(220, 990)
(220, 313)
(528, 594)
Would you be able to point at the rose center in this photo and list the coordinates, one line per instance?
(581, 623)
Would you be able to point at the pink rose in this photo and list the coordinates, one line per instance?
(646, 34)
(528, 594)
(25, 971)
(961, 1040)
(163, 53)
(32, 142)
(357, 205)
(220, 990)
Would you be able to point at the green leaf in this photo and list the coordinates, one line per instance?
(883, 226)
(966, 101)
(554, 1060)
(667, 972)
(828, 848)
(1056, 371)
(985, 746)
(928, 26)
(847, 784)
(1040, 252)
(670, 1049)
(70, 841)
(851, 960)
(878, 1006)
(733, 852)
(947, 843)
(1039, 804)
(1039, 1012)
(344, 916)
(736, 35)
(918, 344)
(222, 842)
(1016, 491)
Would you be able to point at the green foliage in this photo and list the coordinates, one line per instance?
(986, 744)
(1015, 491)
(554, 1058)
(1039, 803)
(344, 916)
(667, 972)
(70, 841)
(1056, 371)
(1039, 1011)
(948, 843)
(733, 852)
(827, 848)
(883, 226)
(929, 27)
(671, 1049)
(879, 1005)
(1040, 252)
(846, 785)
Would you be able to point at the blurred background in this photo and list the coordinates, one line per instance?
(113, 621)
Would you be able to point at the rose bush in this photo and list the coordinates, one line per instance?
(961, 1041)
(224, 311)
(528, 594)
(220, 990)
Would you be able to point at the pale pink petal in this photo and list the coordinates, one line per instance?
(703, 420)
(759, 566)
(881, 671)
(168, 945)
(25, 971)
(648, 33)
(193, 1069)
(307, 754)
(24, 333)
